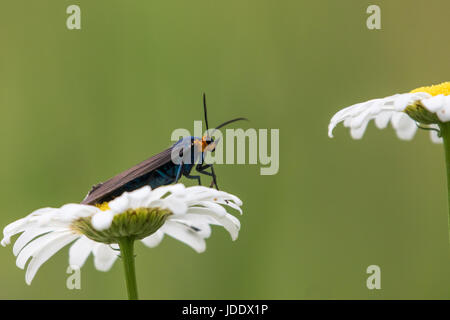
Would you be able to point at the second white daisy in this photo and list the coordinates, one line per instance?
(425, 107)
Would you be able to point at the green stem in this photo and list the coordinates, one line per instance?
(445, 133)
(127, 253)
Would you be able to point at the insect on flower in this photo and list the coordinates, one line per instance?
(132, 206)
(185, 214)
(161, 169)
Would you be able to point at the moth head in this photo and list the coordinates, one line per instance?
(207, 144)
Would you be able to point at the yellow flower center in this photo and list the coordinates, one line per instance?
(103, 206)
(443, 88)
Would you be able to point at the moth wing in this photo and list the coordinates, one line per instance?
(102, 189)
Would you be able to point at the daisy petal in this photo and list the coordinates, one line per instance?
(434, 104)
(404, 126)
(102, 220)
(184, 234)
(104, 257)
(153, 240)
(382, 120)
(434, 135)
(46, 253)
(80, 251)
(36, 245)
(392, 108)
(121, 203)
(138, 197)
(197, 223)
(229, 222)
(27, 236)
(357, 133)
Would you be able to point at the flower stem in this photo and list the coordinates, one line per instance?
(127, 252)
(445, 133)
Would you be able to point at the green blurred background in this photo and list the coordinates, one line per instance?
(80, 106)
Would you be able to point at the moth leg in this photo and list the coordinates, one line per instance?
(201, 169)
(214, 179)
(179, 172)
(194, 177)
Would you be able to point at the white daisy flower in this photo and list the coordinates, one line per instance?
(426, 107)
(144, 214)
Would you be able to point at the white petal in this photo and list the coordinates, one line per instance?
(371, 108)
(184, 234)
(12, 229)
(120, 204)
(382, 120)
(27, 236)
(104, 257)
(229, 222)
(200, 193)
(73, 211)
(102, 220)
(196, 223)
(154, 239)
(228, 196)
(231, 205)
(401, 101)
(24, 223)
(80, 251)
(434, 104)
(357, 133)
(404, 126)
(46, 253)
(434, 135)
(138, 197)
(357, 116)
(37, 244)
(174, 204)
(444, 113)
(160, 192)
(201, 218)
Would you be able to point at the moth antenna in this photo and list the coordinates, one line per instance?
(206, 113)
(227, 123)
